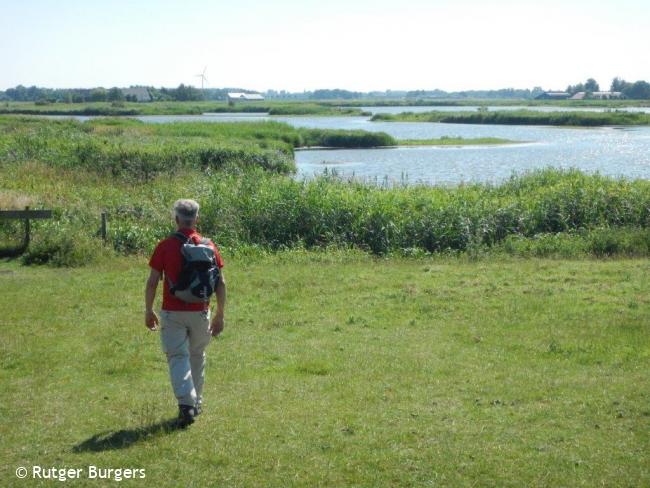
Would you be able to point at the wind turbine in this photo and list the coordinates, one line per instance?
(203, 78)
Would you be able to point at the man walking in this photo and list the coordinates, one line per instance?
(185, 325)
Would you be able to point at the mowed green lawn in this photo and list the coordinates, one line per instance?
(340, 370)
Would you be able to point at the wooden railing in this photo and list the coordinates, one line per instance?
(24, 215)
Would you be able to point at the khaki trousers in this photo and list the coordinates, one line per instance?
(184, 337)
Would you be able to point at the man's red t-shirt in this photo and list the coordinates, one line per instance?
(167, 259)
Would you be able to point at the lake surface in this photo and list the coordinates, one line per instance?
(609, 150)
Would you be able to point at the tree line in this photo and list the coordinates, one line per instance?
(70, 95)
(638, 90)
(183, 92)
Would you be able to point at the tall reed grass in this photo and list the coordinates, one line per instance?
(544, 212)
(279, 212)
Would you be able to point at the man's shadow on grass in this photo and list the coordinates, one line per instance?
(121, 439)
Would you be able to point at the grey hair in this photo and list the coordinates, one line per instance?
(186, 211)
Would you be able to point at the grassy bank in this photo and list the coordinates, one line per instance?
(176, 108)
(521, 117)
(341, 370)
(455, 141)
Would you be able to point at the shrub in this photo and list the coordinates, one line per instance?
(346, 138)
(564, 245)
(610, 242)
(133, 238)
(63, 247)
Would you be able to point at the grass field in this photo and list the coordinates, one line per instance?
(338, 369)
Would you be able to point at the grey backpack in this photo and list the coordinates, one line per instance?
(199, 276)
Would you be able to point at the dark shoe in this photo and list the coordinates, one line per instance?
(198, 409)
(186, 414)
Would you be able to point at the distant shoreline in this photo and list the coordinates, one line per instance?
(522, 117)
(286, 108)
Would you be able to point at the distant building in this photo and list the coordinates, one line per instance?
(244, 97)
(138, 94)
(606, 95)
(598, 95)
(553, 96)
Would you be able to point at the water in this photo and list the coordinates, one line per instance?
(611, 151)
(608, 150)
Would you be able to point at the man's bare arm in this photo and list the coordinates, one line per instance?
(150, 317)
(218, 319)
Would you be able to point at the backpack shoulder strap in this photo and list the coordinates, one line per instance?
(181, 237)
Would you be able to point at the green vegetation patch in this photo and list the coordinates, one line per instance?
(238, 172)
(132, 149)
(521, 117)
(273, 212)
(345, 138)
(484, 102)
(455, 141)
(177, 108)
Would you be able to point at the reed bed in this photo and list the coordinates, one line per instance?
(522, 117)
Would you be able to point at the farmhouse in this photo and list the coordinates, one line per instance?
(553, 96)
(244, 97)
(598, 95)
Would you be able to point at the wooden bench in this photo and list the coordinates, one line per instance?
(24, 215)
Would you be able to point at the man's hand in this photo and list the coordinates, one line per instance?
(216, 327)
(150, 317)
(151, 320)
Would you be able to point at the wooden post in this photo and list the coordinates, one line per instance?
(103, 228)
(27, 228)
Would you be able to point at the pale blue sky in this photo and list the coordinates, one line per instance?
(304, 45)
